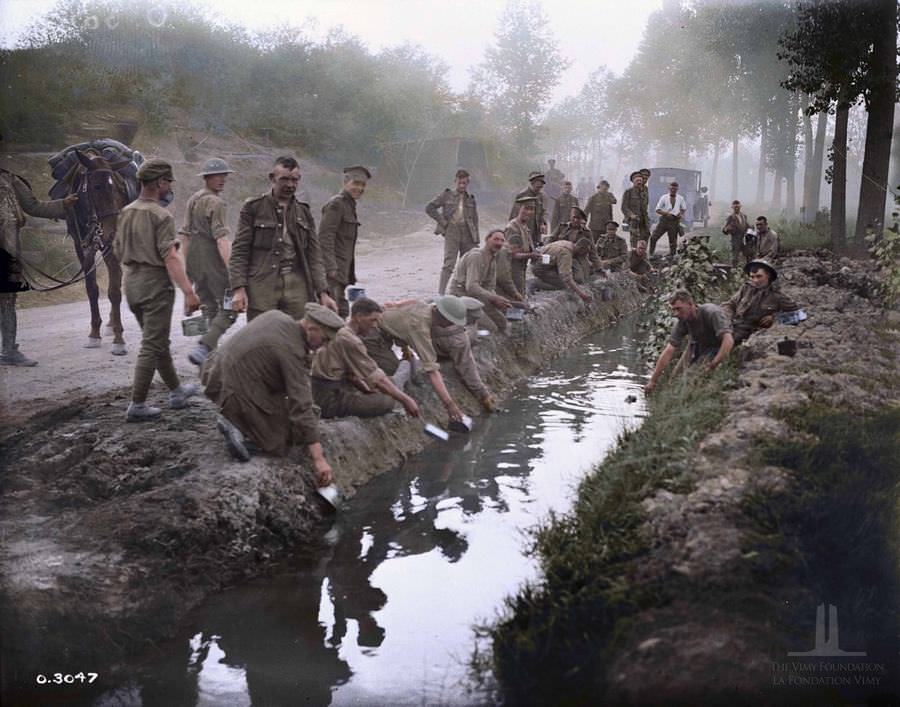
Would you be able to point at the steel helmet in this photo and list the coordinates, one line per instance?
(453, 309)
(215, 165)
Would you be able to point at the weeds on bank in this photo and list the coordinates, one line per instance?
(885, 248)
(551, 638)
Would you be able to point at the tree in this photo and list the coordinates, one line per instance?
(519, 71)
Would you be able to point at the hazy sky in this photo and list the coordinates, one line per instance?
(591, 32)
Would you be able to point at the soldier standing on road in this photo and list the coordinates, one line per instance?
(554, 180)
(735, 227)
(670, 208)
(276, 261)
(537, 225)
(520, 226)
(207, 250)
(338, 233)
(634, 208)
(562, 207)
(599, 209)
(145, 245)
(457, 221)
(701, 207)
(16, 200)
(260, 381)
(345, 380)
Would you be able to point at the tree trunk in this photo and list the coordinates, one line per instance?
(735, 142)
(791, 197)
(777, 191)
(815, 187)
(807, 210)
(761, 176)
(715, 170)
(876, 161)
(839, 179)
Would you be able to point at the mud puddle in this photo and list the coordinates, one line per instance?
(384, 614)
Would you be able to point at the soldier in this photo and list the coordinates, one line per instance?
(457, 221)
(767, 240)
(537, 225)
(670, 208)
(513, 250)
(755, 305)
(145, 245)
(276, 261)
(431, 330)
(562, 207)
(571, 230)
(476, 276)
(207, 250)
(634, 208)
(710, 330)
(612, 250)
(563, 269)
(259, 380)
(701, 207)
(519, 226)
(18, 200)
(639, 267)
(736, 228)
(554, 180)
(338, 233)
(599, 210)
(345, 378)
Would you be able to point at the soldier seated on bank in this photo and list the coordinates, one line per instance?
(612, 250)
(709, 328)
(755, 305)
(345, 379)
(569, 264)
(431, 330)
(572, 230)
(260, 381)
(639, 267)
(513, 250)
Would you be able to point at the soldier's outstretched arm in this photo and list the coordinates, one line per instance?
(33, 206)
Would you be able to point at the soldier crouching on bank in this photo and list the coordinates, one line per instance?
(755, 305)
(260, 381)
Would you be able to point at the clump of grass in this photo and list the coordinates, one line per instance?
(552, 636)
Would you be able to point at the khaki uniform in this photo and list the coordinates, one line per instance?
(412, 325)
(506, 287)
(204, 225)
(562, 209)
(335, 367)
(476, 276)
(599, 210)
(260, 381)
(145, 234)
(276, 256)
(640, 269)
(750, 304)
(540, 212)
(457, 221)
(634, 209)
(564, 269)
(567, 232)
(768, 246)
(338, 232)
(736, 227)
(519, 267)
(612, 248)
(706, 331)
(555, 179)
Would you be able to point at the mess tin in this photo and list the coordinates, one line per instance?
(195, 326)
(331, 497)
(436, 432)
(515, 314)
(227, 300)
(355, 293)
(545, 258)
(464, 425)
(791, 317)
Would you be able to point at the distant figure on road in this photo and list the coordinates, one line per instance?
(755, 305)
(562, 207)
(457, 221)
(709, 328)
(634, 208)
(554, 180)
(701, 207)
(584, 188)
(599, 209)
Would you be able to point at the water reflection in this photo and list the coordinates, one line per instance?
(384, 614)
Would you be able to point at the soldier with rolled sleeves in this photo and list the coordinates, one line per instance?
(670, 208)
(568, 262)
(259, 380)
(562, 205)
(599, 209)
(476, 276)
(519, 226)
(537, 224)
(345, 379)
(276, 260)
(634, 208)
(338, 232)
(145, 245)
(457, 221)
(431, 330)
(207, 249)
(612, 250)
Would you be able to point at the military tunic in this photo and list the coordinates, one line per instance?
(506, 287)
(144, 237)
(540, 212)
(634, 208)
(519, 267)
(750, 304)
(767, 247)
(457, 221)
(562, 209)
(564, 269)
(335, 367)
(338, 233)
(599, 210)
(476, 276)
(204, 224)
(736, 226)
(277, 257)
(260, 381)
(612, 248)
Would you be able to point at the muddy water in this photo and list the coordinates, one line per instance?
(384, 615)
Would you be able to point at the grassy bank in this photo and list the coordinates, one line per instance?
(554, 634)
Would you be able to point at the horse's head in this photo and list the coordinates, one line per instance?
(103, 192)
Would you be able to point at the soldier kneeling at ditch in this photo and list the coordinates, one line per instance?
(755, 305)
(345, 379)
(570, 266)
(260, 381)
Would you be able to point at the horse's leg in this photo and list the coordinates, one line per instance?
(114, 292)
(93, 293)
